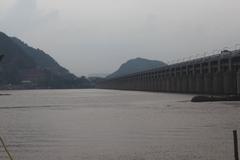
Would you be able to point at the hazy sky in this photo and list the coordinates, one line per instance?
(96, 36)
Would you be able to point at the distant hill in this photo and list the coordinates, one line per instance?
(43, 60)
(136, 65)
(25, 67)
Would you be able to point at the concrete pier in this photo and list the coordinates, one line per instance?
(184, 84)
(199, 84)
(238, 82)
(191, 84)
(218, 83)
(178, 84)
(172, 84)
(230, 82)
(208, 83)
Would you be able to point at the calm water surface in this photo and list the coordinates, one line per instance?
(115, 125)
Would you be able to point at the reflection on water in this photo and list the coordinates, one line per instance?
(115, 125)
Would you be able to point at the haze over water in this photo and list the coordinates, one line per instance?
(115, 125)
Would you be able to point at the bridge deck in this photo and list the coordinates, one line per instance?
(217, 74)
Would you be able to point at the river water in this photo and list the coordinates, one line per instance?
(115, 125)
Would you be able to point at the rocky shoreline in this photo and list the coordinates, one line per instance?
(5, 94)
(215, 98)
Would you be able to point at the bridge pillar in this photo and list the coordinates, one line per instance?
(218, 83)
(168, 84)
(135, 82)
(208, 83)
(191, 84)
(160, 82)
(154, 84)
(142, 84)
(145, 84)
(157, 84)
(199, 83)
(171, 79)
(148, 84)
(238, 82)
(229, 83)
(125, 84)
(178, 83)
(151, 81)
(175, 84)
(184, 84)
(139, 84)
(163, 84)
(129, 85)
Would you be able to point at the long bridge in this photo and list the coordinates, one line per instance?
(216, 74)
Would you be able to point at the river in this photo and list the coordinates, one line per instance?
(115, 125)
